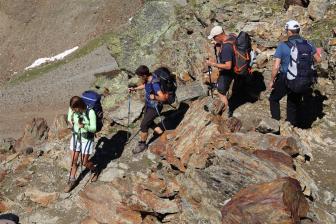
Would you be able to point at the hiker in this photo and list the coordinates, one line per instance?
(282, 77)
(232, 65)
(154, 98)
(83, 125)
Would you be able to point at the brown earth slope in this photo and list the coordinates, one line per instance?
(33, 29)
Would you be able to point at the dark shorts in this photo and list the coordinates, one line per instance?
(148, 120)
(223, 83)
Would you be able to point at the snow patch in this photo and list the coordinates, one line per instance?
(60, 56)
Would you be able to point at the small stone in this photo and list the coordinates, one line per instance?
(268, 125)
(123, 166)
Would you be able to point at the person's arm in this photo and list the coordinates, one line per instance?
(142, 86)
(226, 57)
(70, 118)
(275, 71)
(226, 65)
(317, 57)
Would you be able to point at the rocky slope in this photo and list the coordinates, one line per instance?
(211, 169)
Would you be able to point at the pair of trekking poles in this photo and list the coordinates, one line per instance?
(75, 141)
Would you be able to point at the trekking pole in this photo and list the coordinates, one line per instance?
(157, 110)
(129, 114)
(129, 140)
(74, 151)
(209, 72)
(80, 149)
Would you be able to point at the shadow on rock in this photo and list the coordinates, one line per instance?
(109, 149)
(172, 118)
(311, 109)
(246, 89)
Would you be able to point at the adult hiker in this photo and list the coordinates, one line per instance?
(154, 97)
(83, 124)
(233, 65)
(301, 54)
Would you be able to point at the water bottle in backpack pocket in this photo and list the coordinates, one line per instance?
(92, 100)
(301, 72)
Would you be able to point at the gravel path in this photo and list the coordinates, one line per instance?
(49, 94)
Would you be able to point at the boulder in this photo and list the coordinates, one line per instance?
(189, 91)
(192, 144)
(35, 132)
(104, 203)
(317, 8)
(120, 201)
(279, 201)
(252, 141)
(120, 113)
(59, 128)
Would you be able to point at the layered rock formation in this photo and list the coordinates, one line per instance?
(210, 169)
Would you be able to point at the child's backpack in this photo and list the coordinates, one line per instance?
(242, 48)
(167, 83)
(92, 101)
(301, 71)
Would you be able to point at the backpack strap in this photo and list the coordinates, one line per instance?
(289, 44)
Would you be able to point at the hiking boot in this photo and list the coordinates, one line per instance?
(70, 186)
(141, 147)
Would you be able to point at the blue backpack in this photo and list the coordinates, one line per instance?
(301, 71)
(92, 101)
(167, 83)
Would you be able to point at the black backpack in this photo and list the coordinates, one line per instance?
(167, 83)
(242, 48)
(92, 100)
(301, 71)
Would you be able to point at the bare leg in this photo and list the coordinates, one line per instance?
(158, 130)
(224, 99)
(143, 136)
(74, 159)
(87, 163)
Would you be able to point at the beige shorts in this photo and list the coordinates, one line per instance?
(85, 146)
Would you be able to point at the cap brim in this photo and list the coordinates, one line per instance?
(210, 37)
